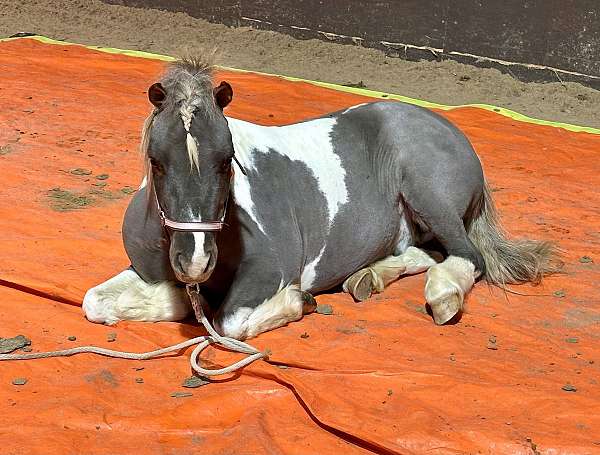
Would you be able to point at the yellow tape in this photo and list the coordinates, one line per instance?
(358, 91)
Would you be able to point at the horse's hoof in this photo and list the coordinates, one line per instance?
(360, 285)
(309, 304)
(446, 308)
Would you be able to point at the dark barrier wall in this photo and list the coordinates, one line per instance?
(531, 39)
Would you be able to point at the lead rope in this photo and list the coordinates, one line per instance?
(202, 343)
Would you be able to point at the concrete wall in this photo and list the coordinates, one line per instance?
(532, 39)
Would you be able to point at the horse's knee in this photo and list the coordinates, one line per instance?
(446, 287)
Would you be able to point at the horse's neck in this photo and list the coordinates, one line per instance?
(247, 136)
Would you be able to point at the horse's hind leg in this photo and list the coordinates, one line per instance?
(448, 282)
(446, 287)
(377, 276)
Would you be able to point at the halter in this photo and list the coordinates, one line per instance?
(195, 226)
(190, 226)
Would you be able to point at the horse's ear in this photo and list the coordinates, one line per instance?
(157, 94)
(223, 94)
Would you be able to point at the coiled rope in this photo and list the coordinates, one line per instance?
(202, 343)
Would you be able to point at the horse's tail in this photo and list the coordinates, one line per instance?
(506, 260)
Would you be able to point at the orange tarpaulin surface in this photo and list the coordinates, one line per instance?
(374, 377)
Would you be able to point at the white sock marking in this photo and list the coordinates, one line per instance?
(453, 276)
(127, 297)
(284, 307)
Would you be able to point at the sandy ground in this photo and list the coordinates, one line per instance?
(93, 22)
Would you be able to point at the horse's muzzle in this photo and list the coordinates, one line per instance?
(193, 256)
(191, 272)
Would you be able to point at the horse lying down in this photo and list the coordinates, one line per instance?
(347, 199)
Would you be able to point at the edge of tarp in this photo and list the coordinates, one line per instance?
(357, 91)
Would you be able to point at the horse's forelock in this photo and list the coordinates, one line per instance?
(189, 87)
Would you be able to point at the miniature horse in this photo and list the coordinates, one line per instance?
(349, 199)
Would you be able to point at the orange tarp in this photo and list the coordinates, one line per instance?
(374, 377)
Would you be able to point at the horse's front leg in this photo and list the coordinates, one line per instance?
(146, 291)
(258, 301)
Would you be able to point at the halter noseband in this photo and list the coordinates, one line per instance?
(190, 226)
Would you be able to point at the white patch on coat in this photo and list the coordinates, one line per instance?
(284, 307)
(243, 197)
(244, 148)
(351, 108)
(127, 297)
(405, 237)
(309, 273)
(306, 142)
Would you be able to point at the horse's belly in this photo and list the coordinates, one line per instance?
(352, 245)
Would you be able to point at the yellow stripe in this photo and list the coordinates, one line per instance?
(364, 92)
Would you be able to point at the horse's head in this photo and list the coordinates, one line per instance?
(188, 150)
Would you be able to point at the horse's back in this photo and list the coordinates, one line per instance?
(410, 147)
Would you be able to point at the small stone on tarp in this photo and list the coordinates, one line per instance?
(572, 340)
(181, 394)
(72, 338)
(139, 380)
(324, 309)
(492, 343)
(194, 382)
(8, 345)
(569, 388)
(111, 337)
(585, 259)
(102, 176)
(79, 171)
(19, 381)
(560, 294)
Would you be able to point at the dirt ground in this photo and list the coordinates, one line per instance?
(93, 22)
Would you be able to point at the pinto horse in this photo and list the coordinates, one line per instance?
(352, 198)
